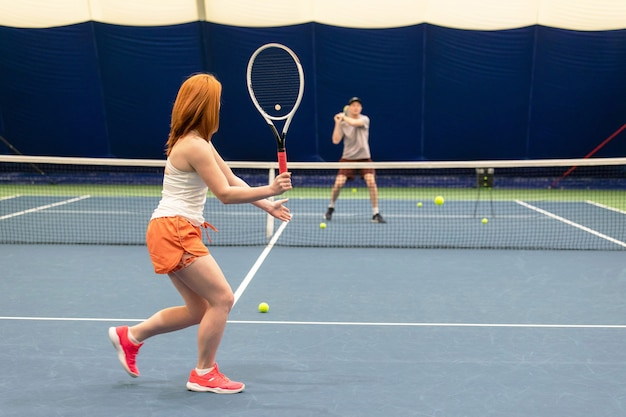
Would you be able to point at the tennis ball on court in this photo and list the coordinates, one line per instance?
(264, 308)
(419, 204)
(485, 221)
(354, 190)
(322, 225)
(439, 200)
(277, 107)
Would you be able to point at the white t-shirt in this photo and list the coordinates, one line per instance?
(356, 140)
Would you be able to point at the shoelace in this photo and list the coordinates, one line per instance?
(222, 377)
(216, 374)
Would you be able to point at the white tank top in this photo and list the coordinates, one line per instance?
(184, 194)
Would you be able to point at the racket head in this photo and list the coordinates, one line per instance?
(275, 82)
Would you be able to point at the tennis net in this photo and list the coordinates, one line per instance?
(572, 204)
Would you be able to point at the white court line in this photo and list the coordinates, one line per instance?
(352, 323)
(421, 216)
(244, 284)
(571, 223)
(116, 212)
(47, 206)
(593, 203)
(8, 197)
(68, 319)
(512, 325)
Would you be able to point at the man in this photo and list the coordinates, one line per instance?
(353, 128)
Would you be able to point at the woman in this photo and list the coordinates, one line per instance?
(174, 235)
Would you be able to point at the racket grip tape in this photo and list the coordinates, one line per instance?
(282, 161)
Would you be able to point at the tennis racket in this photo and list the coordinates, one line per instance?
(276, 85)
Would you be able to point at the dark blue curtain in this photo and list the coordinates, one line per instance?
(51, 91)
(578, 93)
(432, 93)
(142, 69)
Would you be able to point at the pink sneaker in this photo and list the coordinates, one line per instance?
(214, 381)
(126, 350)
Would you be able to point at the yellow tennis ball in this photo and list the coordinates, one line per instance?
(277, 107)
(419, 204)
(322, 225)
(354, 190)
(485, 221)
(264, 308)
(439, 200)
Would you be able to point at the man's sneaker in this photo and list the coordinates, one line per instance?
(126, 350)
(329, 213)
(214, 381)
(377, 218)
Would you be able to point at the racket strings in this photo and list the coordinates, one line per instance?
(275, 82)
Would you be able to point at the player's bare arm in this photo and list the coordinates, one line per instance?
(201, 156)
(275, 208)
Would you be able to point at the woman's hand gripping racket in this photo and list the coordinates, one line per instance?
(276, 85)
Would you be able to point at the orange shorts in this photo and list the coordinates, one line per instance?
(169, 239)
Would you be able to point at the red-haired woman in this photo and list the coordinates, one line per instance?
(174, 236)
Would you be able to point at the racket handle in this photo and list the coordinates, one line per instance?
(282, 161)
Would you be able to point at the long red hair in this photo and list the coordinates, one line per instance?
(197, 107)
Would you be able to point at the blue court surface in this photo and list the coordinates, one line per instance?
(513, 224)
(350, 332)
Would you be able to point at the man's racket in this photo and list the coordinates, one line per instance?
(276, 85)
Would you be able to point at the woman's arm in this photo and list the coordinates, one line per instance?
(223, 183)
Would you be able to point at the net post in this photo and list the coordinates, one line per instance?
(269, 222)
(484, 179)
